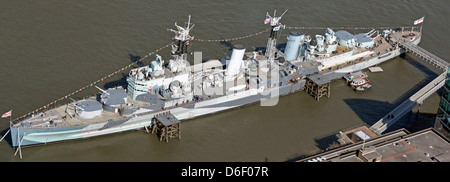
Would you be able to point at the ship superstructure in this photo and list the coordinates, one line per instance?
(188, 91)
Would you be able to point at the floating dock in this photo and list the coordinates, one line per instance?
(375, 69)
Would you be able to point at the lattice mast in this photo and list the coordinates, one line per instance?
(272, 42)
(181, 38)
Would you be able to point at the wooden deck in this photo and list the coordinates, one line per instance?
(58, 117)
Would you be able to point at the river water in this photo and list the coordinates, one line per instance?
(51, 48)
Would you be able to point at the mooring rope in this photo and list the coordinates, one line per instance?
(231, 39)
(302, 28)
(91, 84)
(352, 28)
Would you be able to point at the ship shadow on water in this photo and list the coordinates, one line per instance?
(123, 79)
(227, 44)
(135, 58)
(120, 82)
(230, 45)
(7, 138)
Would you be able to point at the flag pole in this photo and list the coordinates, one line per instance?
(10, 122)
(5, 135)
(1, 139)
(422, 24)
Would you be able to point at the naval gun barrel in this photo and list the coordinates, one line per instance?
(102, 90)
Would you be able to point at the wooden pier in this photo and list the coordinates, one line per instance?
(166, 126)
(318, 88)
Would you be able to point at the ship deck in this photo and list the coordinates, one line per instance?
(58, 117)
(382, 45)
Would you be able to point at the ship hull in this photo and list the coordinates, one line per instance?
(36, 136)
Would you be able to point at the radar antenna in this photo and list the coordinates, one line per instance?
(180, 45)
(181, 38)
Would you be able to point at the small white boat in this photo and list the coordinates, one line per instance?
(359, 81)
(363, 87)
(355, 75)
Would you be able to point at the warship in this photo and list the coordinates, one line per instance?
(185, 91)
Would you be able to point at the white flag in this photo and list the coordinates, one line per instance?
(419, 20)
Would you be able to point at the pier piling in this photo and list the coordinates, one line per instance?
(317, 90)
(166, 126)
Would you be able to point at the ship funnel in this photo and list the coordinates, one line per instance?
(292, 45)
(234, 65)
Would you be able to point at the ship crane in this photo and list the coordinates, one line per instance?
(272, 42)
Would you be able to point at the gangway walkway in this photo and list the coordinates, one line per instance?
(424, 54)
(418, 98)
